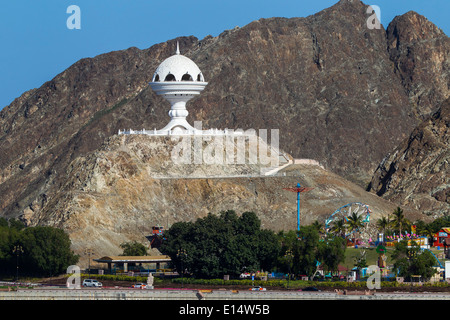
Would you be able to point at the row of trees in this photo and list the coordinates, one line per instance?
(350, 225)
(397, 223)
(408, 257)
(224, 244)
(228, 244)
(37, 251)
(216, 245)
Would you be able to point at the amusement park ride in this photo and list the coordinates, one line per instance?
(359, 209)
(299, 189)
(343, 213)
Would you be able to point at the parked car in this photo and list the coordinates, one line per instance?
(139, 286)
(258, 289)
(91, 283)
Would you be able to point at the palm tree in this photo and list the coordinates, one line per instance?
(425, 229)
(399, 221)
(383, 223)
(319, 226)
(355, 223)
(339, 227)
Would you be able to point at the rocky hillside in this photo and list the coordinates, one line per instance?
(338, 92)
(416, 173)
(118, 192)
(420, 53)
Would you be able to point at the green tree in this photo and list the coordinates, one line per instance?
(8, 238)
(320, 227)
(425, 229)
(410, 260)
(301, 251)
(268, 249)
(220, 244)
(339, 228)
(16, 224)
(354, 223)
(361, 260)
(439, 223)
(133, 248)
(306, 251)
(46, 251)
(399, 220)
(383, 224)
(332, 252)
(3, 222)
(285, 260)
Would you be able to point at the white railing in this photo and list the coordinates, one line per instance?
(212, 132)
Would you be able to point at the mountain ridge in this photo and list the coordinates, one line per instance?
(332, 87)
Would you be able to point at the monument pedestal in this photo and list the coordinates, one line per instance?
(149, 282)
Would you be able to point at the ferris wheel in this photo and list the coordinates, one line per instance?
(343, 214)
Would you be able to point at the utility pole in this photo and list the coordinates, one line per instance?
(17, 250)
(182, 255)
(289, 256)
(89, 252)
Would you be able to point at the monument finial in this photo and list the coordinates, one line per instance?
(178, 48)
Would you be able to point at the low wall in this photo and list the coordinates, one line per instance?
(310, 162)
(181, 295)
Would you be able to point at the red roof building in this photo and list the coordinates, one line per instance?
(440, 236)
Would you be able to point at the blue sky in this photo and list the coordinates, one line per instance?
(36, 44)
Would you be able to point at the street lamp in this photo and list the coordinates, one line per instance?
(17, 250)
(89, 252)
(182, 255)
(411, 256)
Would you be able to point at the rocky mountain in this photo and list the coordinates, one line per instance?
(339, 92)
(420, 53)
(416, 173)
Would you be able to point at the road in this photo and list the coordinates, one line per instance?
(55, 293)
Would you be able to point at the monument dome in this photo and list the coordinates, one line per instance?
(178, 68)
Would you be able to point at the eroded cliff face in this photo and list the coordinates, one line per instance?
(420, 52)
(117, 193)
(416, 173)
